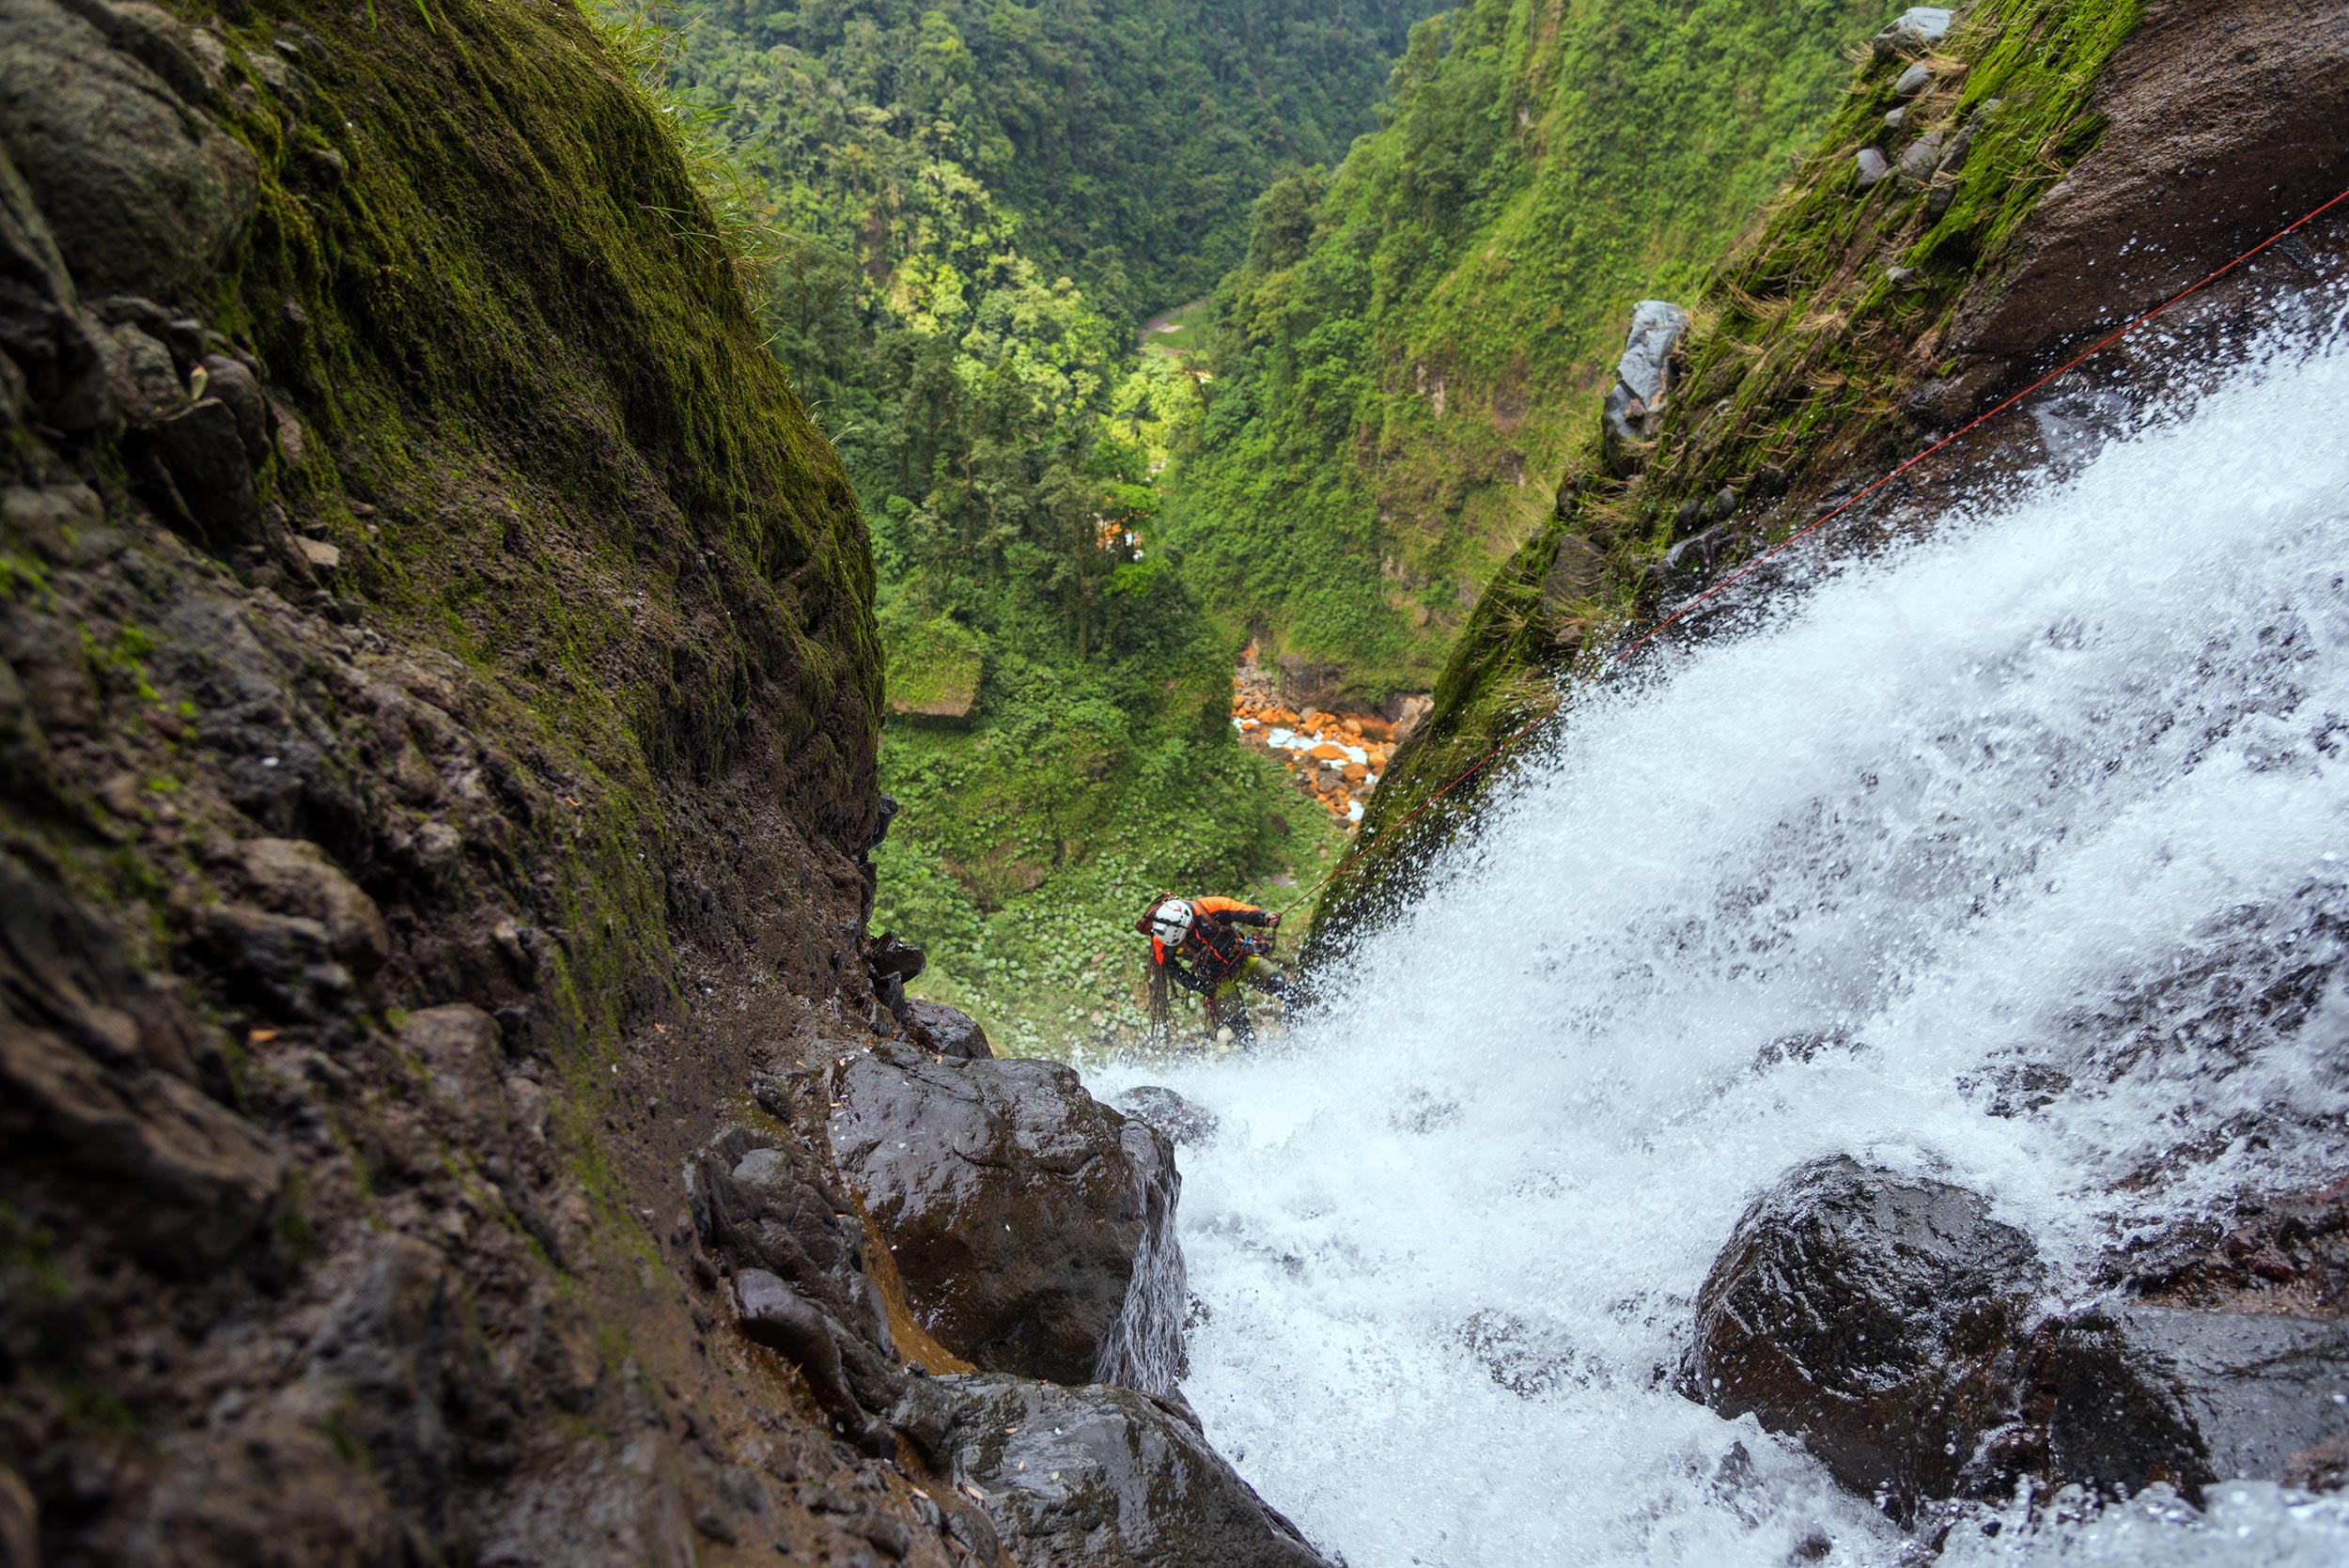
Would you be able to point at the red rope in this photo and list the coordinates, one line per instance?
(1652, 632)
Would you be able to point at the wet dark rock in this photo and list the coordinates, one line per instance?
(888, 955)
(1183, 1121)
(1950, 401)
(1869, 168)
(2146, 1393)
(233, 383)
(140, 377)
(293, 877)
(192, 466)
(924, 1413)
(889, 963)
(773, 1315)
(764, 1206)
(1018, 1208)
(456, 1045)
(1106, 1478)
(276, 963)
(1875, 1317)
(1577, 572)
(1916, 78)
(1692, 563)
(142, 193)
(943, 1030)
(99, 1071)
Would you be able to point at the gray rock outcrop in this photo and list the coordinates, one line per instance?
(1643, 384)
(1913, 32)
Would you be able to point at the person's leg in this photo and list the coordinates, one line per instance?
(1260, 974)
(1231, 1009)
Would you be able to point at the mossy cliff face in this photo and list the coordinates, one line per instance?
(437, 742)
(2055, 167)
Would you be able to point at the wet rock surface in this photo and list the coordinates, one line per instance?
(1105, 1478)
(766, 1209)
(1875, 1317)
(1016, 1205)
(2145, 1394)
(1886, 1323)
(2205, 152)
(943, 1030)
(1183, 1121)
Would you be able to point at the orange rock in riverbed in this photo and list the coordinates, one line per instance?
(1356, 772)
(1328, 751)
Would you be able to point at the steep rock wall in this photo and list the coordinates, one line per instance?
(435, 758)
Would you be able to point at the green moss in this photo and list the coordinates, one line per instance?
(336, 1423)
(935, 667)
(297, 1238)
(100, 1412)
(29, 1264)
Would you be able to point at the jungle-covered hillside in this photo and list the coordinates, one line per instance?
(958, 216)
(1417, 338)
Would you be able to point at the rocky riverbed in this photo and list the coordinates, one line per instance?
(1335, 758)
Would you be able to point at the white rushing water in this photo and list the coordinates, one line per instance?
(2047, 790)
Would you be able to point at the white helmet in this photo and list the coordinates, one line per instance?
(1171, 921)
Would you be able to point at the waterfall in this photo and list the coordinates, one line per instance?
(2017, 855)
(1143, 1348)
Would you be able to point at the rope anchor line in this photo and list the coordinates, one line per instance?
(1509, 740)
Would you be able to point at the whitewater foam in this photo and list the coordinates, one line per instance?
(2054, 797)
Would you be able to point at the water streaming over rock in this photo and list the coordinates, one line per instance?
(1143, 1348)
(2018, 856)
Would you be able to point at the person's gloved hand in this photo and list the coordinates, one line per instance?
(1272, 922)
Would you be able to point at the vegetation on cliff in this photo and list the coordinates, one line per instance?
(1809, 345)
(969, 211)
(1402, 357)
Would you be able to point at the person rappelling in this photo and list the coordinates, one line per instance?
(1214, 946)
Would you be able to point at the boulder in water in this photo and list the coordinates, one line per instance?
(1107, 1478)
(1183, 1121)
(1876, 1316)
(1019, 1211)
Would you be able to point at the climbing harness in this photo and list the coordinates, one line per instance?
(1689, 605)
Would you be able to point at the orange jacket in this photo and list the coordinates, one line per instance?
(1217, 915)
